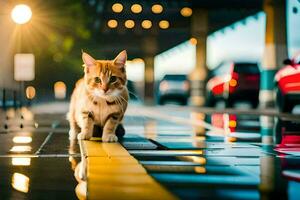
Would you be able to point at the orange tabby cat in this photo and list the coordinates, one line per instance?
(99, 98)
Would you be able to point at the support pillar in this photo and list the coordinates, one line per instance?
(275, 48)
(199, 32)
(150, 48)
(6, 51)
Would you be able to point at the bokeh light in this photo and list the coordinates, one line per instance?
(117, 7)
(157, 8)
(21, 14)
(30, 92)
(146, 24)
(164, 24)
(129, 23)
(193, 41)
(186, 12)
(136, 8)
(112, 23)
(60, 90)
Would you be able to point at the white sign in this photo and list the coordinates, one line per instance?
(24, 67)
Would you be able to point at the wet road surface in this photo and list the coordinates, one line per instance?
(194, 155)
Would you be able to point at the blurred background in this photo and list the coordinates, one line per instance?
(187, 52)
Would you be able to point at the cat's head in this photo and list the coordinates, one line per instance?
(105, 78)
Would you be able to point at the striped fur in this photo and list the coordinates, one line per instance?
(99, 98)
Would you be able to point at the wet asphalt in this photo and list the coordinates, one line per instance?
(194, 153)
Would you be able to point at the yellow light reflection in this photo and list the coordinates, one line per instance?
(117, 7)
(186, 12)
(136, 8)
(193, 41)
(164, 24)
(20, 182)
(19, 161)
(199, 160)
(112, 23)
(20, 149)
(22, 139)
(200, 170)
(129, 23)
(146, 24)
(21, 14)
(157, 8)
(230, 139)
(30, 92)
(199, 138)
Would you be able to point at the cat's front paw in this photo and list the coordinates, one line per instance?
(72, 134)
(109, 138)
(83, 136)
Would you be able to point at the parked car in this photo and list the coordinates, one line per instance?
(174, 87)
(288, 84)
(233, 81)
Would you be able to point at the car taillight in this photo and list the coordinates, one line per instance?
(164, 86)
(186, 85)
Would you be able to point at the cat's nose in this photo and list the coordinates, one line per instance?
(105, 89)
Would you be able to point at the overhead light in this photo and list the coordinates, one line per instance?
(112, 23)
(193, 41)
(186, 12)
(129, 23)
(21, 14)
(146, 24)
(136, 8)
(117, 7)
(164, 24)
(157, 8)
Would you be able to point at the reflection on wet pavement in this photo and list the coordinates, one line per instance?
(228, 156)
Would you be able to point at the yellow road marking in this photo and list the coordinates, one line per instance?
(99, 149)
(112, 173)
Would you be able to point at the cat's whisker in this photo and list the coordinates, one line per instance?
(120, 103)
(134, 95)
(122, 98)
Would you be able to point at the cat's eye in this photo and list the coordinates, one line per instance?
(113, 79)
(97, 80)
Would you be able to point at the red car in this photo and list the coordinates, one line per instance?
(233, 81)
(288, 148)
(288, 84)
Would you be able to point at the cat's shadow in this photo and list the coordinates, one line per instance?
(120, 131)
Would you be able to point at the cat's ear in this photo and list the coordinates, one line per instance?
(88, 60)
(121, 58)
